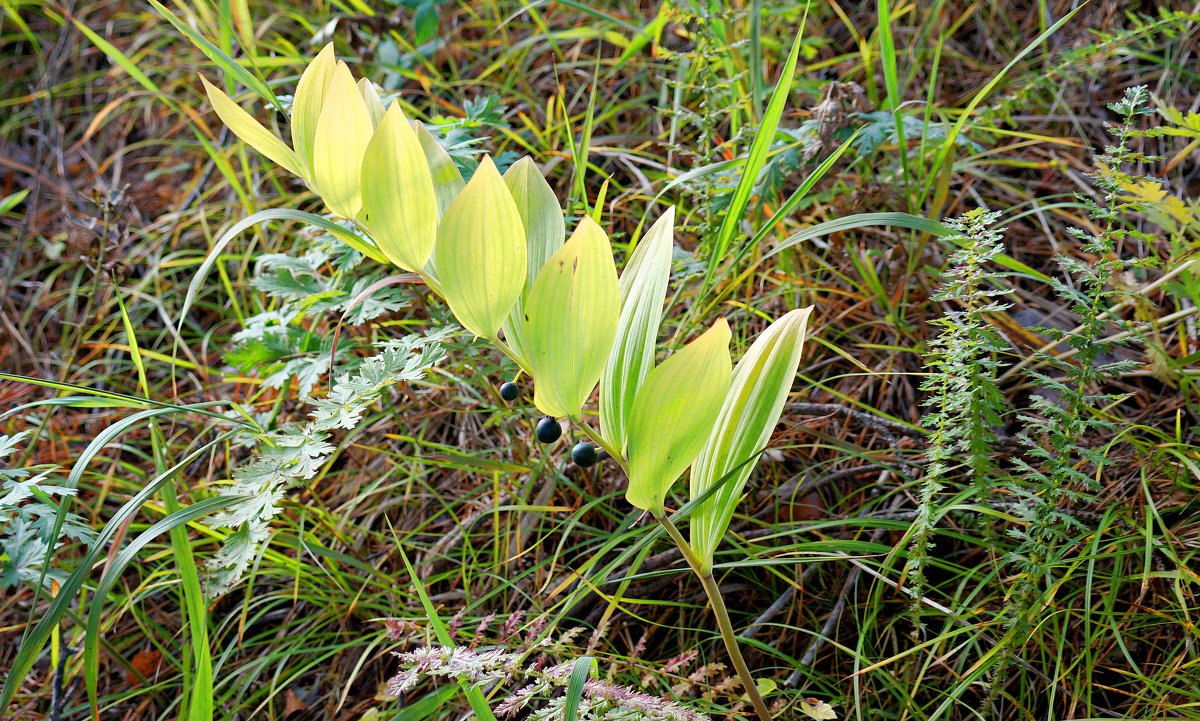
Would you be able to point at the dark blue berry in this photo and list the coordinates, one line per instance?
(547, 430)
(584, 454)
(509, 391)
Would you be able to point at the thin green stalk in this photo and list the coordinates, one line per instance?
(433, 284)
(599, 440)
(713, 591)
(512, 354)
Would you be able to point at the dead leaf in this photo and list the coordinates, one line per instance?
(145, 663)
(292, 703)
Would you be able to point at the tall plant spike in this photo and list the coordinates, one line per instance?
(673, 415)
(545, 233)
(480, 252)
(343, 131)
(570, 321)
(760, 387)
(399, 206)
(643, 291)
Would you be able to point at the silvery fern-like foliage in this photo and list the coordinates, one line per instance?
(964, 400)
(1060, 467)
(328, 278)
(295, 452)
(28, 517)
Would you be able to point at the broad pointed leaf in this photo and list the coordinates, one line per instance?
(673, 415)
(250, 130)
(643, 290)
(571, 319)
(447, 181)
(399, 207)
(306, 106)
(480, 252)
(545, 232)
(751, 410)
(371, 99)
(343, 131)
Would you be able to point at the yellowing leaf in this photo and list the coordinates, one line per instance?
(343, 131)
(1145, 191)
(480, 252)
(545, 231)
(760, 387)
(643, 290)
(371, 99)
(1179, 211)
(818, 709)
(249, 130)
(1188, 127)
(307, 104)
(570, 321)
(447, 181)
(673, 415)
(398, 204)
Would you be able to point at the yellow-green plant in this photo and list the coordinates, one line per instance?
(493, 248)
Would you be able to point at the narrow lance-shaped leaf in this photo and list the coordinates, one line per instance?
(447, 181)
(343, 131)
(480, 252)
(250, 130)
(307, 104)
(643, 290)
(398, 203)
(545, 232)
(571, 319)
(371, 99)
(673, 415)
(751, 410)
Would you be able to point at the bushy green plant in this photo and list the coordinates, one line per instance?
(493, 249)
(1061, 465)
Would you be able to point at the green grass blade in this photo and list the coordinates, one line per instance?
(756, 78)
(651, 33)
(125, 401)
(173, 521)
(199, 688)
(427, 707)
(789, 206)
(474, 696)
(956, 129)
(262, 216)
(8, 202)
(122, 60)
(108, 435)
(755, 160)
(899, 220)
(887, 56)
(226, 63)
(580, 671)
